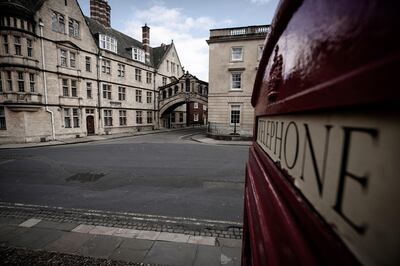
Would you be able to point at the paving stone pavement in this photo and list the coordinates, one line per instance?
(118, 244)
(92, 218)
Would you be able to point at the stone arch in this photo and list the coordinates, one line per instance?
(179, 101)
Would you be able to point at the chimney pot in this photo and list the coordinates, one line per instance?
(100, 11)
(146, 41)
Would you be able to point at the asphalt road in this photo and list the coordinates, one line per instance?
(160, 174)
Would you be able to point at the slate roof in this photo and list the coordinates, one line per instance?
(185, 76)
(125, 43)
(24, 8)
(158, 53)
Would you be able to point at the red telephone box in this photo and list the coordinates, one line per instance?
(322, 180)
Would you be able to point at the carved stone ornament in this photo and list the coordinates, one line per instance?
(275, 76)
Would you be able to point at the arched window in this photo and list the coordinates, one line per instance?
(164, 94)
(187, 85)
(176, 89)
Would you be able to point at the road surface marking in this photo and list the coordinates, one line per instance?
(30, 222)
(135, 216)
(144, 234)
(7, 161)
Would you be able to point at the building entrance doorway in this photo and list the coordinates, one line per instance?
(90, 124)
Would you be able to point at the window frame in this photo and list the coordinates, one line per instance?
(107, 91)
(9, 81)
(121, 70)
(75, 117)
(6, 46)
(21, 81)
(173, 67)
(106, 66)
(29, 47)
(121, 93)
(109, 43)
(88, 64)
(139, 117)
(67, 117)
(75, 28)
(233, 73)
(148, 77)
(17, 45)
(108, 119)
(138, 74)
(149, 117)
(122, 117)
(149, 97)
(3, 121)
(233, 59)
(138, 96)
(74, 87)
(65, 87)
(89, 90)
(72, 59)
(235, 107)
(63, 57)
(138, 54)
(32, 82)
(57, 22)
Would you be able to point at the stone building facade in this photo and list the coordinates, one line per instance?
(234, 55)
(65, 75)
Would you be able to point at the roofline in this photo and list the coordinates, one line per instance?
(165, 54)
(264, 25)
(178, 81)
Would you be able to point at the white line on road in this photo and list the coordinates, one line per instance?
(189, 135)
(7, 161)
(137, 216)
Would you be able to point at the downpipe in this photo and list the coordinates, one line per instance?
(53, 132)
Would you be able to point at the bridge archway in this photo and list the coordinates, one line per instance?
(171, 103)
(187, 89)
(168, 105)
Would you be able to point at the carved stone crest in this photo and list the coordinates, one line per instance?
(275, 76)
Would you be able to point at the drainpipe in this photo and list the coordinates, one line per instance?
(46, 101)
(98, 59)
(156, 109)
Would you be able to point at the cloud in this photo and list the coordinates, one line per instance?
(189, 34)
(260, 2)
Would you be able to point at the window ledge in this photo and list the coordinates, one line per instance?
(240, 69)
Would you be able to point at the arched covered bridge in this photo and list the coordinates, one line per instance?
(185, 90)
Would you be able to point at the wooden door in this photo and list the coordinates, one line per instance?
(90, 124)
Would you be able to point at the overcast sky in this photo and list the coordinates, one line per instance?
(186, 22)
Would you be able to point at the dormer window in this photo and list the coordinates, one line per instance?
(73, 26)
(57, 22)
(108, 43)
(138, 54)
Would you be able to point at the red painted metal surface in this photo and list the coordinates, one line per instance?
(320, 55)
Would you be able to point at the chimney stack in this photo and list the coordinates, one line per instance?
(100, 10)
(146, 42)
